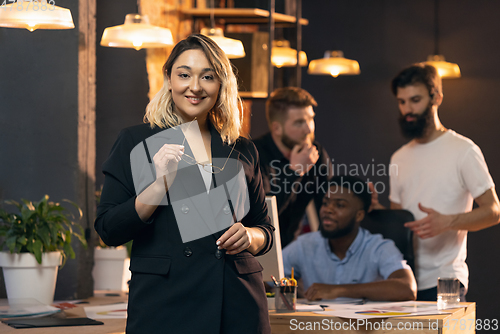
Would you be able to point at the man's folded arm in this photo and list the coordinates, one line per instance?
(399, 286)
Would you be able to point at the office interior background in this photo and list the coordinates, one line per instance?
(44, 140)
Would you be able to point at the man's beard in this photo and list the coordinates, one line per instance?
(338, 233)
(290, 143)
(416, 129)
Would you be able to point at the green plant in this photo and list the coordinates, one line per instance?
(40, 227)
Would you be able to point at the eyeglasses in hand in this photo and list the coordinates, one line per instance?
(208, 167)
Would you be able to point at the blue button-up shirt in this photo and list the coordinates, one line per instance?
(369, 258)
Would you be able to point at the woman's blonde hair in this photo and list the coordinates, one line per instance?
(226, 113)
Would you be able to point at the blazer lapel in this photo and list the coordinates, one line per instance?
(220, 154)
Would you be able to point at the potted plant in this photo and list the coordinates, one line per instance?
(111, 267)
(111, 264)
(38, 238)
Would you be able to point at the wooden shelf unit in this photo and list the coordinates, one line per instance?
(256, 16)
(252, 95)
(243, 15)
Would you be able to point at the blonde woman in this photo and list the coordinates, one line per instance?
(183, 279)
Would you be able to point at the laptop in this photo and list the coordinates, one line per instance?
(272, 261)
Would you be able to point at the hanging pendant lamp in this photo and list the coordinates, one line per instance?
(334, 64)
(233, 48)
(282, 55)
(34, 15)
(445, 69)
(137, 33)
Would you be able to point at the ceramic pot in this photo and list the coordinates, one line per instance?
(26, 278)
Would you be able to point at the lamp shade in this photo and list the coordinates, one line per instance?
(334, 64)
(137, 33)
(34, 15)
(283, 55)
(233, 48)
(445, 69)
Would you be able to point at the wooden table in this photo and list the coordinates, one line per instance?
(282, 323)
(308, 322)
(111, 326)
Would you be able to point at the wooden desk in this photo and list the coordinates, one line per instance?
(284, 323)
(111, 326)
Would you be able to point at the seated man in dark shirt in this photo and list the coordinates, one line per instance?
(295, 168)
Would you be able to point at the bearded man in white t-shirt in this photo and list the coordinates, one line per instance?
(439, 175)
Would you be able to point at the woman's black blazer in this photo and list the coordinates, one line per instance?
(189, 287)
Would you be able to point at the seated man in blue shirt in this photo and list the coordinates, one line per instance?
(345, 260)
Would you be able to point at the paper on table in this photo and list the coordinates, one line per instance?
(339, 304)
(334, 303)
(384, 310)
(300, 307)
(340, 300)
(25, 307)
(67, 304)
(112, 311)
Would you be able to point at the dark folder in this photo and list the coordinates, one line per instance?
(51, 322)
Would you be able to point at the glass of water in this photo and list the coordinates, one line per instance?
(448, 293)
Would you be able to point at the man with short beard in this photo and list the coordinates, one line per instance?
(345, 260)
(295, 168)
(440, 173)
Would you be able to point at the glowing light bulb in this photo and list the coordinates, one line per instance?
(279, 64)
(137, 44)
(31, 26)
(335, 72)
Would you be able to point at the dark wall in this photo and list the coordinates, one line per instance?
(356, 115)
(122, 83)
(39, 120)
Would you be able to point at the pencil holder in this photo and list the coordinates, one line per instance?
(285, 298)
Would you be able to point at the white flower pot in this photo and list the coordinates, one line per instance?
(111, 269)
(26, 278)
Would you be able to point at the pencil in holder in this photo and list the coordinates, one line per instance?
(285, 298)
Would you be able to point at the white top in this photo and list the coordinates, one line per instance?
(207, 177)
(445, 175)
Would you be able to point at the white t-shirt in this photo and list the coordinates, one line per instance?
(445, 175)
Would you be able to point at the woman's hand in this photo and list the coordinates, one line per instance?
(235, 240)
(239, 238)
(166, 161)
